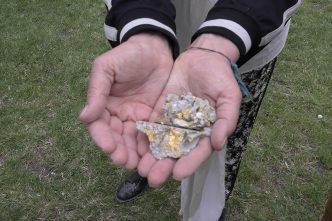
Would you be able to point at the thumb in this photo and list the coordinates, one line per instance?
(228, 109)
(98, 91)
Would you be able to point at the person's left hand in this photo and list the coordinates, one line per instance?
(206, 75)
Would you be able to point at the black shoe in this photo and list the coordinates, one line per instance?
(223, 215)
(130, 188)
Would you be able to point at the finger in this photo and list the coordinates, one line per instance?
(119, 156)
(188, 164)
(228, 109)
(131, 146)
(142, 140)
(129, 109)
(132, 160)
(142, 144)
(98, 90)
(221, 131)
(129, 137)
(160, 172)
(145, 164)
(102, 136)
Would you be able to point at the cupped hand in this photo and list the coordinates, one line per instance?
(124, 86)
(207, 75)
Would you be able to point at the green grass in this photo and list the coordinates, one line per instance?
(50, 170)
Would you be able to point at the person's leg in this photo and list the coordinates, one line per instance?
(257, 82)
(203, 193)
(190, 14)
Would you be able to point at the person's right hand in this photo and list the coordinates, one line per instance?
(206, 75)
(124, 86)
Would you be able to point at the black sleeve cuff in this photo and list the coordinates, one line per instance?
(232, 24)
(120, 25)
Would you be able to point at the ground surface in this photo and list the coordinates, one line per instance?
(50, 170)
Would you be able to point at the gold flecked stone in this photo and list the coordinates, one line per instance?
(175, 138)
(186, 118)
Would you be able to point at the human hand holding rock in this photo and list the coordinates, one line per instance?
(124, 86)
(206, 75)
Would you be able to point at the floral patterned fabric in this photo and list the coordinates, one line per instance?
(257, 82)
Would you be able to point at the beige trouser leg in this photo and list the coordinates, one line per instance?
(190, 14)
(203, 193)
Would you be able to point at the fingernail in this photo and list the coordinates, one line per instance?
(223, 144)
(83, 111)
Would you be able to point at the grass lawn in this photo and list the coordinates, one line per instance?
(50, 170)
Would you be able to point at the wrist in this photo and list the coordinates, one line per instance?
(218, 43)
(153, 40)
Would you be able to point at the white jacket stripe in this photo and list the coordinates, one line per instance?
(144, 21)
(232, 26)
(110, 32)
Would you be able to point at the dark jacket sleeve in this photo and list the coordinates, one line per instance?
(128, 17)
(249, 24)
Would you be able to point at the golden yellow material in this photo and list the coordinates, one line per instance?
(178, 152)
(150, 135)
(179, 116)
(175, 138)
(186, 113)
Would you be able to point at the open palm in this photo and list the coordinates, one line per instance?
(206, 75)
(124, 87)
